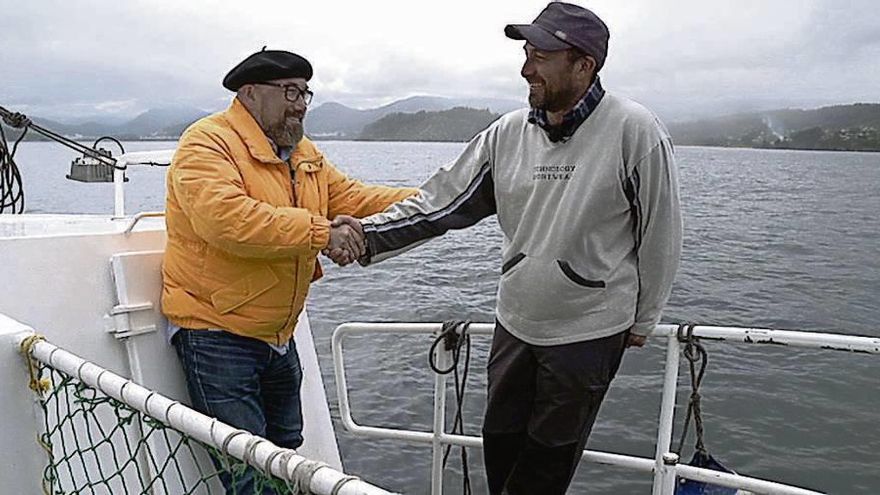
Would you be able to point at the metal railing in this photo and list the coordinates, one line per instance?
(665, 464)
(307, 475)
(154, 157)
(140, 216)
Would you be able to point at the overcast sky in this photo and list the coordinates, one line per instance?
(683, 58)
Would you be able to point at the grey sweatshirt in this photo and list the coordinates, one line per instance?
(592, 226)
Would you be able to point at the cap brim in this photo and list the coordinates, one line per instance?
(537, 36)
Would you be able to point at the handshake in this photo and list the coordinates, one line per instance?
(347, 242)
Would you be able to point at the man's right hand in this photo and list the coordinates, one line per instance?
(346, 241)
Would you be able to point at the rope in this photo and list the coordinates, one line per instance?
(267, 466)
(695, 354)
(337, 487)
(454, 335)
(11, 191)
(46, 483)
(303, 474)
(250, 450)
(224, 447)
(40, 386)
(37, 384)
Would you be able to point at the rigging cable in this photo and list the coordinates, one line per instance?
(70, 143)
(454, 335)
(109, 138)
(17, 118)
(11, 191)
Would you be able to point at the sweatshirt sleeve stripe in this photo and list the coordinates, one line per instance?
(636, 205)
(475, 203)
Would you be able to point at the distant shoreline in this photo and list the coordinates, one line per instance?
(844, 128)
(323, 139)
(780, 148)
(774, 149)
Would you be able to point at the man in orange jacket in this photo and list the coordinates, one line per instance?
(249, 206)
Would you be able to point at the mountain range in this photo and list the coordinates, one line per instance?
(330, 120)
(156, 123)
(431, 118)
(336, 121)
(456, 124)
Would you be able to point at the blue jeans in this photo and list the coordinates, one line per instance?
(245, 384)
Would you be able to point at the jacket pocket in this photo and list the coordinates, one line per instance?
(244, 290)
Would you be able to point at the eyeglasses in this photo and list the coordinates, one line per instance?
(291, 92)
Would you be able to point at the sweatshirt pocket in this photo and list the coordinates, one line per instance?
(546, 290)
(512, 262)
(575, 277)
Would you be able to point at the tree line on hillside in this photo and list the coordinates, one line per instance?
(456, 124)
(842, 127)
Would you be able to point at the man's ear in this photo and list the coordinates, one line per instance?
(246, 93)
(588, 65)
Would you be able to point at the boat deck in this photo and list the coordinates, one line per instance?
(54, 225)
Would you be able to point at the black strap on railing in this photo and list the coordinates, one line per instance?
(695, 354)
(454, 335)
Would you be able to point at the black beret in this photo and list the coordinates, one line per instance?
(267, 65)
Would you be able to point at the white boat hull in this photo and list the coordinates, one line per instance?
(65, 277)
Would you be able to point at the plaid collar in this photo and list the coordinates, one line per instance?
(573, 118)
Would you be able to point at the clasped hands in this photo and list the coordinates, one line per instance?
(347, 242)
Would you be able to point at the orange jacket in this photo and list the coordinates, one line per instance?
(242, 243)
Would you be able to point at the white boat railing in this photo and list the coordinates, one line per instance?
(665, 464)
(304, 474)
(155, 157)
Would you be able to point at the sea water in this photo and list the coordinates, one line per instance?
(777, 239)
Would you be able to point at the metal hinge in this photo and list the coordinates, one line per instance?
(118, 322)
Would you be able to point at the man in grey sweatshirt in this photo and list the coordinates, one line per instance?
(585, 189)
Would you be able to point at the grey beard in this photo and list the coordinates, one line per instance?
(286, 135)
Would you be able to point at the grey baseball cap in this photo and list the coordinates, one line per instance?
(561, 26)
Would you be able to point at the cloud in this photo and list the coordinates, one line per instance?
(710, 57)
(683, 57)
(116, 106)
(395, 75)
